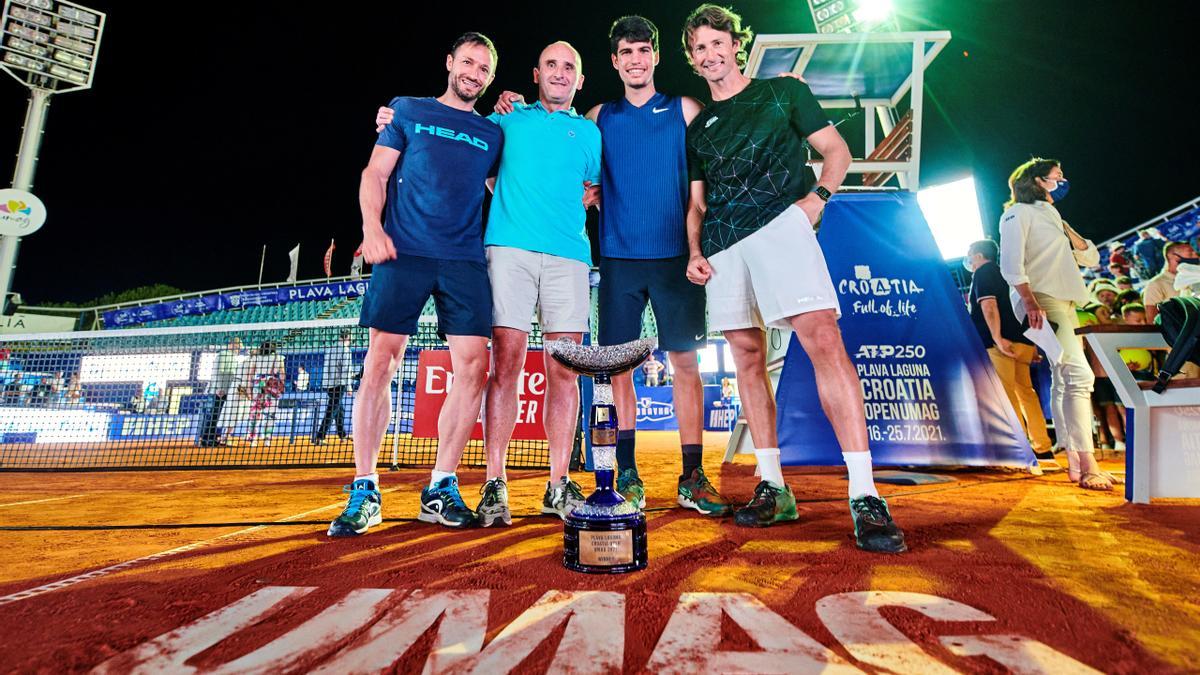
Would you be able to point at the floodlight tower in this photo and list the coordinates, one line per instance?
(853, 16)
(49, 46)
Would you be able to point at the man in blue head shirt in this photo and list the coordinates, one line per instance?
(426, 179)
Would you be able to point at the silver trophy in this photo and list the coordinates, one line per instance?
(607, 534)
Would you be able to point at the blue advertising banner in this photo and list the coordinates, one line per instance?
(931, 394)
(216, 302)
(656, 409)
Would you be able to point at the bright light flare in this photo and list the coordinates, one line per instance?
(952, 211)
(873, 11)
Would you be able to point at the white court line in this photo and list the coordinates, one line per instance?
(182, 482)
(39, 501)
(105, 571)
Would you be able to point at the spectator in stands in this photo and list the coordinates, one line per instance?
(1104, 296)
(336, 382)
(1040, 258)
(1123, 283)
(224, 382)
(652, 368)
(1011, 352)
(302, 379)
(1126, 297)
(1148, 253)
(1118, 260)
(267, 378)
(74, 390)
(1141, 362)
(1162, 286)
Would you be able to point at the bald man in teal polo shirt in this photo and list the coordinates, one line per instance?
(538, 259)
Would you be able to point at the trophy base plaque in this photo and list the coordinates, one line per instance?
(605, 543)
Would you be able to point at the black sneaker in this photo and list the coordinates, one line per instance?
(494, 505)
(770, 505)
(874, 529)
(443, 504)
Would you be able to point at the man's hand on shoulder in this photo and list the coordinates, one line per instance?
(591, 195)
(794, 76)
(507, 102)
(383, 117)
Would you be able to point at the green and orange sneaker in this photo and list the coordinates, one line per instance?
(699, 494)
(629, 484)
(771, 504)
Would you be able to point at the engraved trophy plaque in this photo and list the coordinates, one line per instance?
(607, 535)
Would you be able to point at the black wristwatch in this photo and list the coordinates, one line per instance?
(822, 193)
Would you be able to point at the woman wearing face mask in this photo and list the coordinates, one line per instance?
(1040, 258)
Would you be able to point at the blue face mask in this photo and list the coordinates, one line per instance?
(1064, 186)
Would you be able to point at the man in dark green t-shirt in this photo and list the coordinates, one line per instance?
(750, 233)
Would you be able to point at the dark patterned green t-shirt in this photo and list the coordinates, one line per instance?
(748, 151)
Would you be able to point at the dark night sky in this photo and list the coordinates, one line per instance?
(246, 124)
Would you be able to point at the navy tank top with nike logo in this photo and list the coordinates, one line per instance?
(644, 179)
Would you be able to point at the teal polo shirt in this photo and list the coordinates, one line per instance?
(538, 204)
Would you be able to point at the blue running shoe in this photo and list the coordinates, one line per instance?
(443, 504)
(363, 509)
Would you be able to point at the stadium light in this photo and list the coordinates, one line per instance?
(50, 47)
(853, 16)
(871, 12)
(952, 211)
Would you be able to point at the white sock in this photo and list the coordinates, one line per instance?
(862, 481)
(373, 477)
(768, 465)
(436, 476)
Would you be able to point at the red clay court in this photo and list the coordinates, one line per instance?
(231, 571)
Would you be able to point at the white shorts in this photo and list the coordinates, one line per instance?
(770, 276)
(523, 281)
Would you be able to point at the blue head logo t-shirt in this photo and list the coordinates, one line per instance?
(435, 194)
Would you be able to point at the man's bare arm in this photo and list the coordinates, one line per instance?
(698, 269)
(832, 147)
(691, 108)
(991, 316)
(836, 154)
(372, 194)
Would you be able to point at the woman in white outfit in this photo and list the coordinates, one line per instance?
(1040, 257)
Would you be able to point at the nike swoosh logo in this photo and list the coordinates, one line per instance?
(700, 336)
(658, 110)
(710, 122)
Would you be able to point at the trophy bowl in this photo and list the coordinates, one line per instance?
(607, 534)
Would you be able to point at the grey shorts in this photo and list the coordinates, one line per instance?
(524, 281)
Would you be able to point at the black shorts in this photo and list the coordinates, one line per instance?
(1103, 392)
(399, 289)
(625, 287)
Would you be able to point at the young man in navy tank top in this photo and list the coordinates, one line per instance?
(644, 252)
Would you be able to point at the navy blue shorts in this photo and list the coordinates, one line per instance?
(399, 289)
(626, 285)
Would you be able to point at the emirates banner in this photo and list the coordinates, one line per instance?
(435, 378)
(932, 396)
